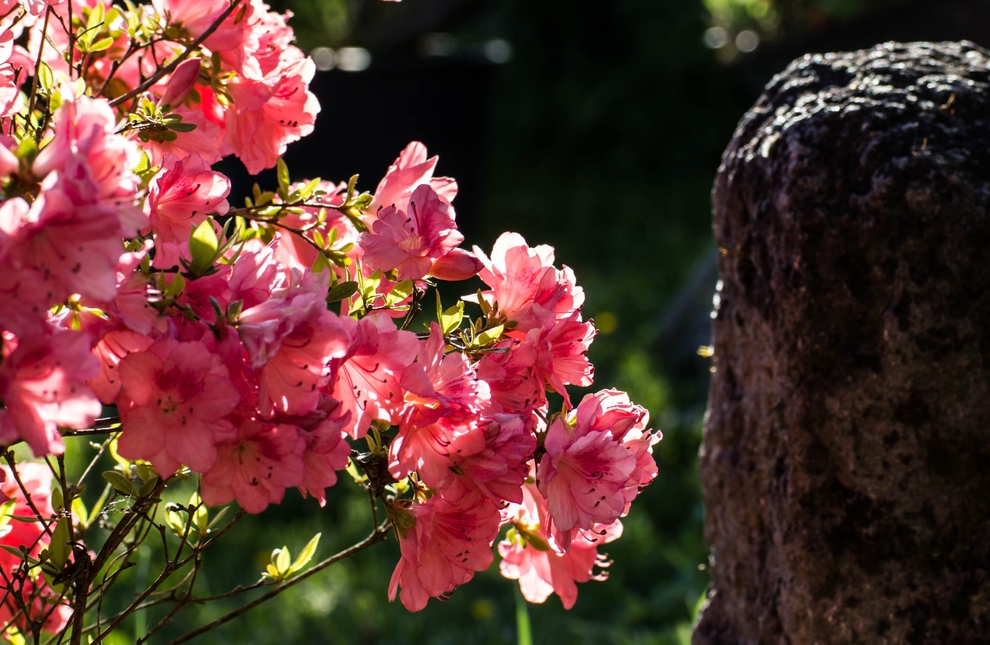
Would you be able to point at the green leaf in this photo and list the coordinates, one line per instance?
(12, 550)
(58, 502)
(399, 292)
(281, 560)
(282, 171)
(203, 245)
(120, 483)
(306, 555)
(201, 516)
(27, 149)
(174, 520)
(342, 291)
(451, 318)
(145, 471)
(219, 516)
(80, 511)
(402, 519)
(15, 637)
(181, 126)
(96, 16)
(175, 287)
(489, 335)
(537, 542)
(45, 77)
(102, 44)
(144, 164)
(308, 189)
(148, 487)
(322, 264)
(370, 284)
(59, 548)
(319, 240)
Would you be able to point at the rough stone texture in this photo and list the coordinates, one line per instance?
(846, 459)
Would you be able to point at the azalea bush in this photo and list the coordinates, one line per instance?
(217, 356)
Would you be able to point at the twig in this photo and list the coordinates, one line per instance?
(37, 65)
(379, 534)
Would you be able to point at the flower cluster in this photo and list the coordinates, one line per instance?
(253, 345)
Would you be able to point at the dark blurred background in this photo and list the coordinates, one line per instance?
(596, 127)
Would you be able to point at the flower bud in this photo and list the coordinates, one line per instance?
(180, 84)
(457, 264)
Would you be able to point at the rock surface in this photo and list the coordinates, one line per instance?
(846, 458)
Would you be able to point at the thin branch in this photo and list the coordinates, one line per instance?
(37, 65)
(178, 605)
(379, 534)
(202, 547)
(168, 69)
(88, 432)
(92, 463)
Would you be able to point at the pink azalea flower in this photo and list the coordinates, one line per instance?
(27, 293)
(132, 304)
(73, 245)
(114, 346)
(327, 451)
(9, 163)
(37, 480)
(366, 379)
(267, 43)
(512, 377)
(256, 467)
(443, 395)
(594, 459)
(52, 609)
(270, 113)
(196, 16)
(430, 450)
(174, 402)
(441, 385)
(292, 338)
(95, 162)
(411, 240)
(447, 545)
(525, 284)
(253, 278)
(529, 554)
(11, 101)
(42, 385)
(182, 194)
(562, 349)
(411, 170)
(500, 468)
(200, 294)
(37, 7)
